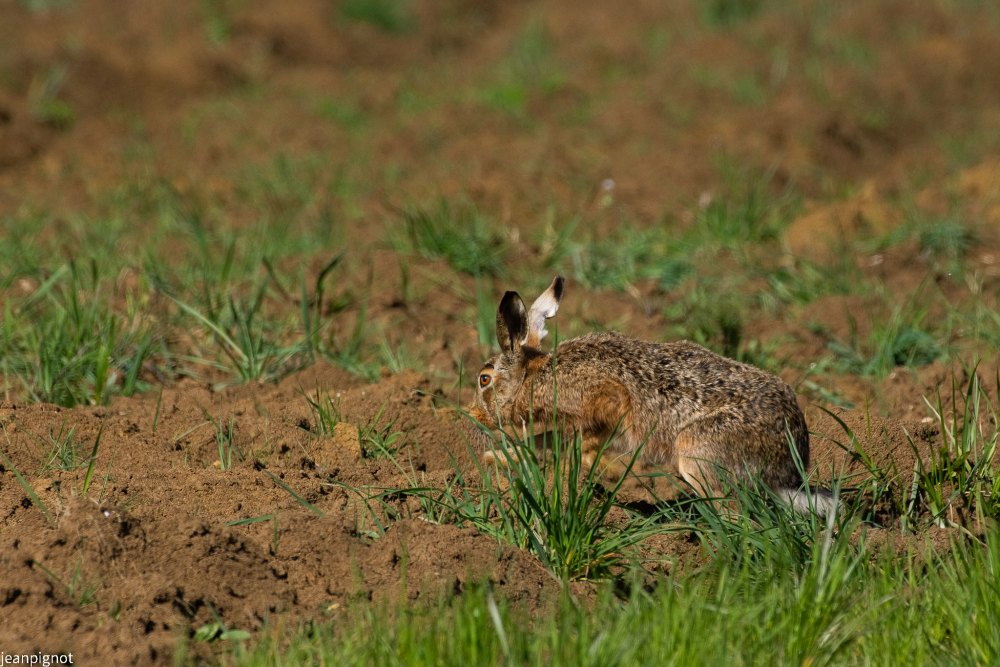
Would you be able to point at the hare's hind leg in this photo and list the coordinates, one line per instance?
(714, 447)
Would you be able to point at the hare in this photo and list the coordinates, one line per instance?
(692, 412)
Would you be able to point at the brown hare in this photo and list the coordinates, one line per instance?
(692, 411)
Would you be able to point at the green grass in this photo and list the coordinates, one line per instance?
(948, 239)
(543, 501)
(379, 437)
(216, 631)
(343, 112)
(390, 16)
(325, 411)
(46, 106)
(78, 587)
(249, 343)
(225, 443)
(747, 210)
(727, 13)
(397, 358)
(942, 241)
(736, 229)
(65, 343)
(64, 452)
(957, 486)
(45, 6)
(72, 335)
(246, 312)
(351, 349)
(558, 509)
(291, 492)
(294, 193)
(529, 70)
(468, 240)
(842, 607)
(485, 317)
(903, 340)
(977, 319)
(88, 478)
(800, 281)
(715, 315)
(625, 257)
(26, 486)
(217, 21)
(746, 89)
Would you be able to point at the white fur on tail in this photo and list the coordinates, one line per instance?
(821, 501)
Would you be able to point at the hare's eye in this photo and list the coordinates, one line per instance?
(485, 379)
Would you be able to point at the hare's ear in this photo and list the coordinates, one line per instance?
(512, 324)
(544, 307)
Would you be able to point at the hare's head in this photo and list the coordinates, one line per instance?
(519, 334)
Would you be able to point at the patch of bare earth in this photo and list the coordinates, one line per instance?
(126, 571)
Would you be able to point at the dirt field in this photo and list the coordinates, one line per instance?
(276, 118)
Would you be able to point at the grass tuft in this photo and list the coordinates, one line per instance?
(726, 13)
(246, 340)
(80, 590)
(901, 341)
(378, 439)
(225, 443)
(844, 606)
(957, 485)
(626, 257)
(391, 16)
(66, 344)
(960, 485)
(326, 412)
(462, 236)
(558, 509)
(530, 69)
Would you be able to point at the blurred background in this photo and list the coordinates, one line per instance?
(811, 186)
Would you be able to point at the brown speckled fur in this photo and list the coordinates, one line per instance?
(694, 409)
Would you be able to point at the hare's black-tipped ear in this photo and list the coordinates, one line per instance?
(512, 324)
(544, 307)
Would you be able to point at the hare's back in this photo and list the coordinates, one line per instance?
(681, 370)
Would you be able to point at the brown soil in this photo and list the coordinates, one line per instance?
(147, 556)
(151, 539)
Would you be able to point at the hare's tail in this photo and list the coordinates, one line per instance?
(811, 499)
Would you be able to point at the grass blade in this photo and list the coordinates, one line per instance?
(36, 501)
(299, 499)
(93, 460)
(230, 345)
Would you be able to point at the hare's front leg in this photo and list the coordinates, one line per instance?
(510, 454)
(597, 451)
